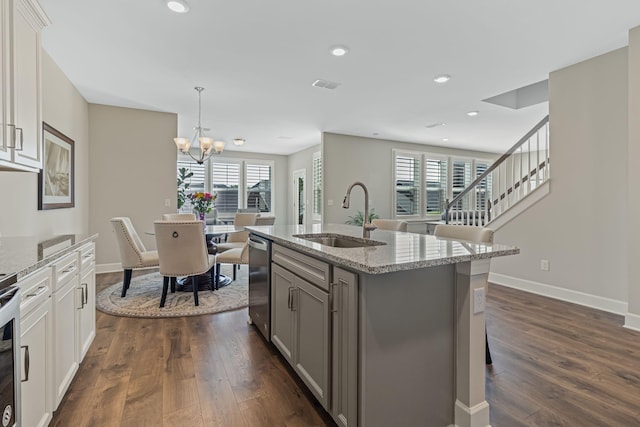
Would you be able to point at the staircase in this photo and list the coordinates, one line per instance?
(521, 172)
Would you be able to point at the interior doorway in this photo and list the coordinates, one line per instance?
(299, 178)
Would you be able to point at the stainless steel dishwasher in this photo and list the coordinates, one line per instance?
(260, 284)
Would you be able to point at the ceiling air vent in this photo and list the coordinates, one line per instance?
(325, 84)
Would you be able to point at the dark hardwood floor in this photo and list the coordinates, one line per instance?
(554, 364)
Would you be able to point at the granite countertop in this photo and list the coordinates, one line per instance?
(23, 255)
(402, 251)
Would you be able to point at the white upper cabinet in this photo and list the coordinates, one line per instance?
(21, 111)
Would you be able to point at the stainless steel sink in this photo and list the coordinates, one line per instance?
(339, 240)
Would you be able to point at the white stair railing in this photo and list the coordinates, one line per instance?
(518, 172)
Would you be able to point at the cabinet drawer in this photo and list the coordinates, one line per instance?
(36, 288)
(314, 270)
(87, 255)
(64, 270)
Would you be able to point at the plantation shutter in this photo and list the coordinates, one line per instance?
(436, 185)
(461, 178)
(483, 189)
(225, 179)
(317, 186)
(407, 182)
(258, 182)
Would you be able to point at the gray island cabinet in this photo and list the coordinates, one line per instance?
(383, 334)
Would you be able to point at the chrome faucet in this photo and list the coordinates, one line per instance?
(366, 226)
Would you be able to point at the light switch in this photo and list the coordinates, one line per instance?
(167, 202)
(330, 202)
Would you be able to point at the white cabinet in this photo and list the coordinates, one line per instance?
(21, 135)
(65, 354)
(35, 341)
(300, 317)
(86, 301)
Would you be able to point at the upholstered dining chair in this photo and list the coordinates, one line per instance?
(237, 239)
(235, 256)
(182, 252)
(179, 217)
(390, 224)
(133, 254)
(265, 220)
(470, 234)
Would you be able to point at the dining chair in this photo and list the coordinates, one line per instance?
(133, 254)
(235, 256)
(390, 224)
(265, 220)
(179, 217)
(470, 234)
(182, 252)
(237, 239)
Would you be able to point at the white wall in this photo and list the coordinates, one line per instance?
(633, 179)
(302, 160)
(349, 158)
(133, 172)
(67, 111)
(581, 226)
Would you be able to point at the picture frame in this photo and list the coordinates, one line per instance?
(56, 178)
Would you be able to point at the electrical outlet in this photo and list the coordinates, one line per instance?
(478, 300)
(167, 202)
(544, 264)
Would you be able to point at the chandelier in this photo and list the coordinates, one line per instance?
(207, 145)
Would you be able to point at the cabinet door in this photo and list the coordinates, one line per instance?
(64, 338)
(311, 310)
(86, 315)
(26, 86)
(282, 289)
(36, 385)
(5, 151)
(344, 348)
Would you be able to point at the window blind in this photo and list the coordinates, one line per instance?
(225, 179)
(317, 184)
(483, 189)
(407, 181)
(461, 178)
(436, 185)
(258, 182)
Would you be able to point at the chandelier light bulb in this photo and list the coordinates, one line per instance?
(238, 142)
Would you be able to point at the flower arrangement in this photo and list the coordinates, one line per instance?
(202, 202)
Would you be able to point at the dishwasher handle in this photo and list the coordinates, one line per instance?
(258, 244)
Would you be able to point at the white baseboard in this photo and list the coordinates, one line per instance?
(632, 321)
(581, 298)
(108, 268)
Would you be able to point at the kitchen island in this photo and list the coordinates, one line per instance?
(387, 333)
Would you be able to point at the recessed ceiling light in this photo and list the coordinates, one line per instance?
(178, 6)
(442, 78)
(445, 139)
(473, 113)
(339, 50)
(238, 141)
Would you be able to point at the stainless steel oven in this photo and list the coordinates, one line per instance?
(9, 353)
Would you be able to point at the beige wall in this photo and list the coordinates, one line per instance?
(349, 158)
(581, 226)
(302, 160)
(633, 180)
(64, 109)
(133, 173)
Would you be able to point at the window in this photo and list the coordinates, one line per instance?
(407, 184)
(258, 186)
(225, 182)
(317, 186)
(238, 183)
(423, 182)
(436, 185)
(196, 182)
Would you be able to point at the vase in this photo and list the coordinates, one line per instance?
(201, 216)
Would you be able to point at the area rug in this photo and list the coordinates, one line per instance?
(143, 298)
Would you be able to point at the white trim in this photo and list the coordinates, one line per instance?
(632, 321)
(108, 268)
(520, 206)
(477, 416)
(576, 297)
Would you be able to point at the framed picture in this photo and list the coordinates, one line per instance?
(55, 181)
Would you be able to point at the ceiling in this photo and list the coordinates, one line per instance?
(258, 59)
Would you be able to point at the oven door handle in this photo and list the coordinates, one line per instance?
(26, 363)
